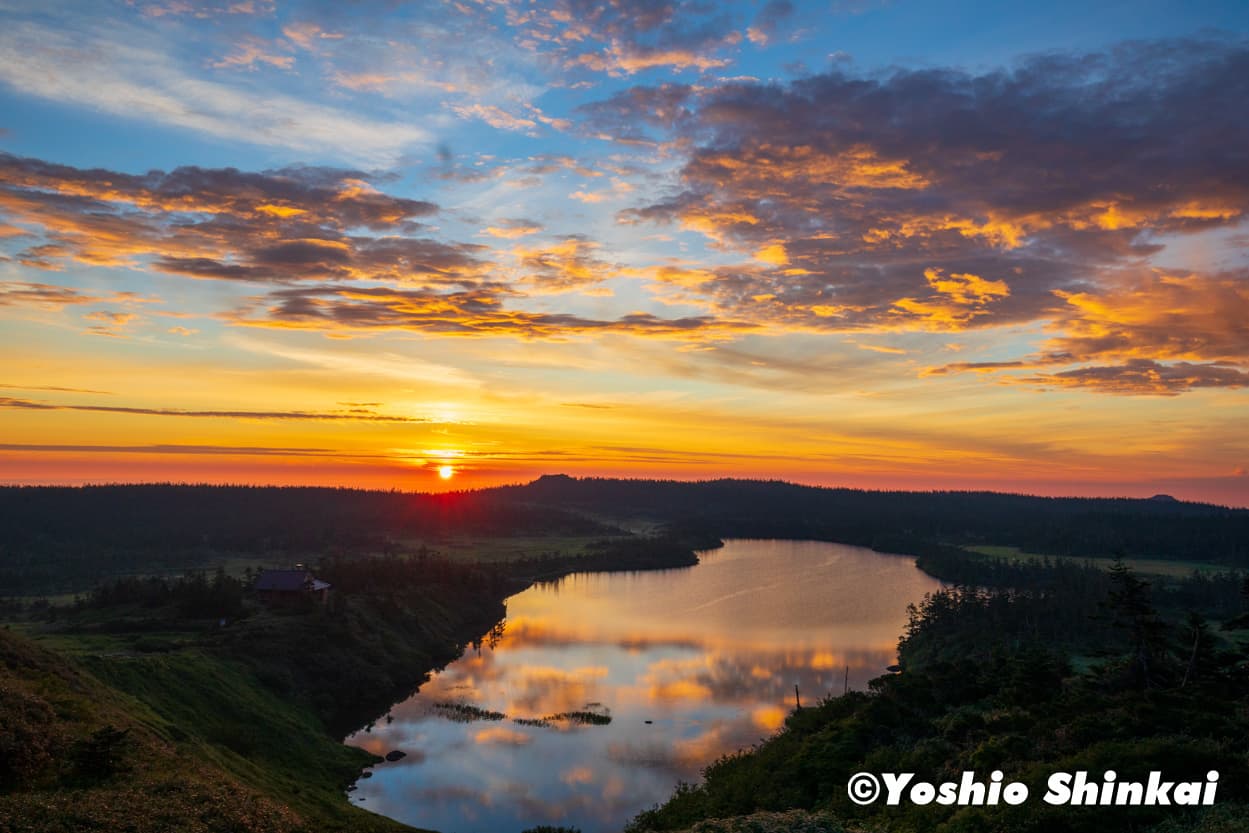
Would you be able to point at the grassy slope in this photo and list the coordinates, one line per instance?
(216, 711)
(229, 724)
(170, 776)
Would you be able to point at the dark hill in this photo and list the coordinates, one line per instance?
(896, 520)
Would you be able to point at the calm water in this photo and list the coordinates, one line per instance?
(690, 664)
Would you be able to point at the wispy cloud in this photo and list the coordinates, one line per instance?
(115, 68)
(345, 415)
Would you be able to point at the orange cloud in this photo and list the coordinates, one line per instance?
(1154, 333)
(252, 51)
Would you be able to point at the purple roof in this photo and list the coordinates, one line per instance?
(292, 581)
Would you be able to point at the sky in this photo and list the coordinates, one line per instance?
(446, 245)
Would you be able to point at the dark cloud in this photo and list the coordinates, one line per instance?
(623, 37)
(939, 199)
(624, 114)
(1147, 377)
(472, 312)
(340, 197)
(769, 20)
(1059, 167)
(291, 224)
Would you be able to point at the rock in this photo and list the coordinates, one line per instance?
(395, 754)
(368, 773)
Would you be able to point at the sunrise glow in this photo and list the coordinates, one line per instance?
(838, 246)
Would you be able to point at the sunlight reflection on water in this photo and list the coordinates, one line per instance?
(690, 664)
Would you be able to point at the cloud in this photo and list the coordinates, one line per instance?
(306, 34)
(943, 200)
(960, 298)
(1145, 333)
(512, 229)
(46, 296)
(250, 52)
(56, 389)
(622, 115)
(116, 68)
(570, 264)
(302, 228)
(200, 9)
(475, 312)
(111, 323)
(630, 36)
(494, 116)
(1157, 314)
(290, 224)
(182, 448)
(1147, 377)
(768, 21)
(347, 415)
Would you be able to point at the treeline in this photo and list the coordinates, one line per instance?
(397, 574)
(143, 602)
(192, 596)
(988, 682)
(660, 552)
(63, 540)
(1071, 585)
(899, 521)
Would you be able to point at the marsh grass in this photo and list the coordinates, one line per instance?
(467, 712)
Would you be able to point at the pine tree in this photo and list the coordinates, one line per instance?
(1134, 612)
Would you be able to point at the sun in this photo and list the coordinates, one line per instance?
(445, 472)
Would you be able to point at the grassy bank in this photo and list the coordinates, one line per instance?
(236, 717)
(236, 727)
(79, 752)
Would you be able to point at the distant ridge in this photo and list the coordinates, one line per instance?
(909, 522)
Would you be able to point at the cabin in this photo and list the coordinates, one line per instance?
(287, 586)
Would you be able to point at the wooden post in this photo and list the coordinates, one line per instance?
(845, 689)
(797, 701)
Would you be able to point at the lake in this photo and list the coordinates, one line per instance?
(689, 664)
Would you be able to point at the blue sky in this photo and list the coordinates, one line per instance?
(1003, 243)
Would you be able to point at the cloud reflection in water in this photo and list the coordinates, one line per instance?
(688, 666)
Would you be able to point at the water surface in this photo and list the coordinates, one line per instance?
(689, 664)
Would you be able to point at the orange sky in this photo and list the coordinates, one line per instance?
(631, 245)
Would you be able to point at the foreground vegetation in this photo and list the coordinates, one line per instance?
(189, 691)
(1070, 669)
(138, 672)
